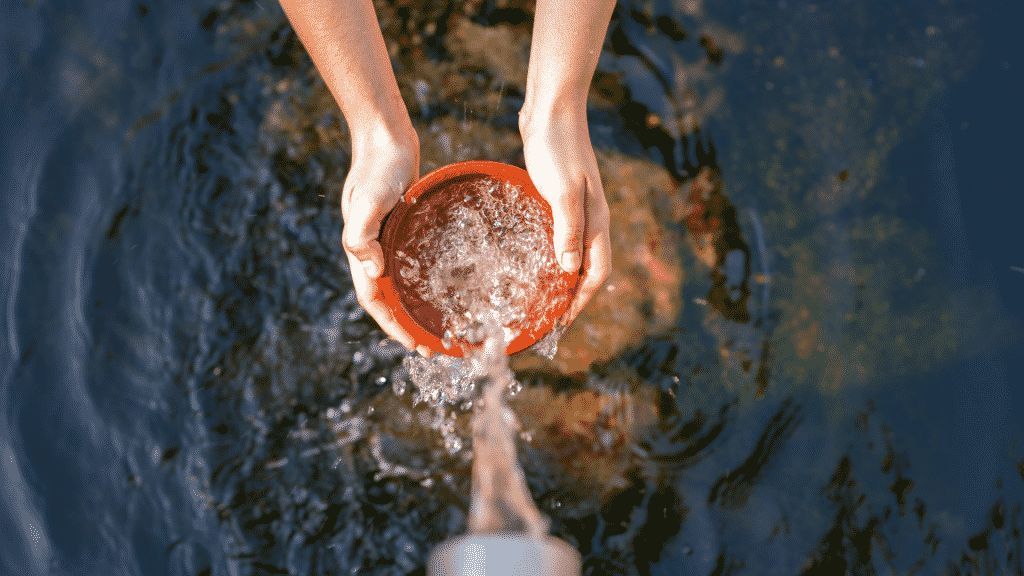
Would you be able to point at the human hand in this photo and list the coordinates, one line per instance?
(560, 160)
(383, 168)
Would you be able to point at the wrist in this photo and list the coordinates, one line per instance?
(540, 114)
(372, 135)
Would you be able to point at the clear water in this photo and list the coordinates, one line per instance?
(492, 253)
(485, 267)
(188, 385)
(444, 382)
(500, 499)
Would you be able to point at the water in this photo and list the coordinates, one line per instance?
(824, 380)
(489, 250)
(444, 381)
(501, 500)
(482, 256)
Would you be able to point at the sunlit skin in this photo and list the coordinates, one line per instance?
(344, 40)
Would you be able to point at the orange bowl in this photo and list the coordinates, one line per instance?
(426, 206)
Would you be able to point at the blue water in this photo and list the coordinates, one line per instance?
(188, 385)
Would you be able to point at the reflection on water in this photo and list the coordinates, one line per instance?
(790, 369)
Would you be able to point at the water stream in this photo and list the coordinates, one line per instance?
(501, 500)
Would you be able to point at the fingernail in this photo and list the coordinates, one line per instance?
(571, 261)
(423, 350)
(371, 269)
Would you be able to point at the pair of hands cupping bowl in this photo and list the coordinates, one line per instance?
(346, 45)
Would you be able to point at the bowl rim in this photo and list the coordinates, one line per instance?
(507, 172)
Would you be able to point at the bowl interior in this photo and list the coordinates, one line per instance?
(439, 202)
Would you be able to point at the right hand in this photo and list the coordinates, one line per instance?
(383, 168)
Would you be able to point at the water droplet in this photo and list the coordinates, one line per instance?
(452, 444)
(398, 386)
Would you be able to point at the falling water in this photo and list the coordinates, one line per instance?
(484, 268)
(500, 500)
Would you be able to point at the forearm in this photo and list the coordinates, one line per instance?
(344, 40)
(567, 40)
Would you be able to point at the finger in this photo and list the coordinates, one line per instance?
(597, 264)
(372, 300)
(361, 230)
(566, 200)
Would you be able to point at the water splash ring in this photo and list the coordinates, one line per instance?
(424, 207)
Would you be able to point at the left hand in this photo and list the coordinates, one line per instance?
(560, 160)
(383, 166)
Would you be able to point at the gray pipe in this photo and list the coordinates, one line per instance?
(504, 554)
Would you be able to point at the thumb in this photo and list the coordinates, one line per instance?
(360, 235)
(567, 213)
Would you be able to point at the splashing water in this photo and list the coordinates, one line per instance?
(485, 266)
(485, 258)
(500, 500)
(489, 250)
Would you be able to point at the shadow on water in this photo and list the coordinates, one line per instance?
(753, 392)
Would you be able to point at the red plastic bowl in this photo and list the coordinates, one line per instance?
(419, 208)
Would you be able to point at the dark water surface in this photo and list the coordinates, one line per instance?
(830, 363)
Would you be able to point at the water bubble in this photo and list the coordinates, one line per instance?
(514, 387)
(381, 381)
(398, 386)
(452, 444)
